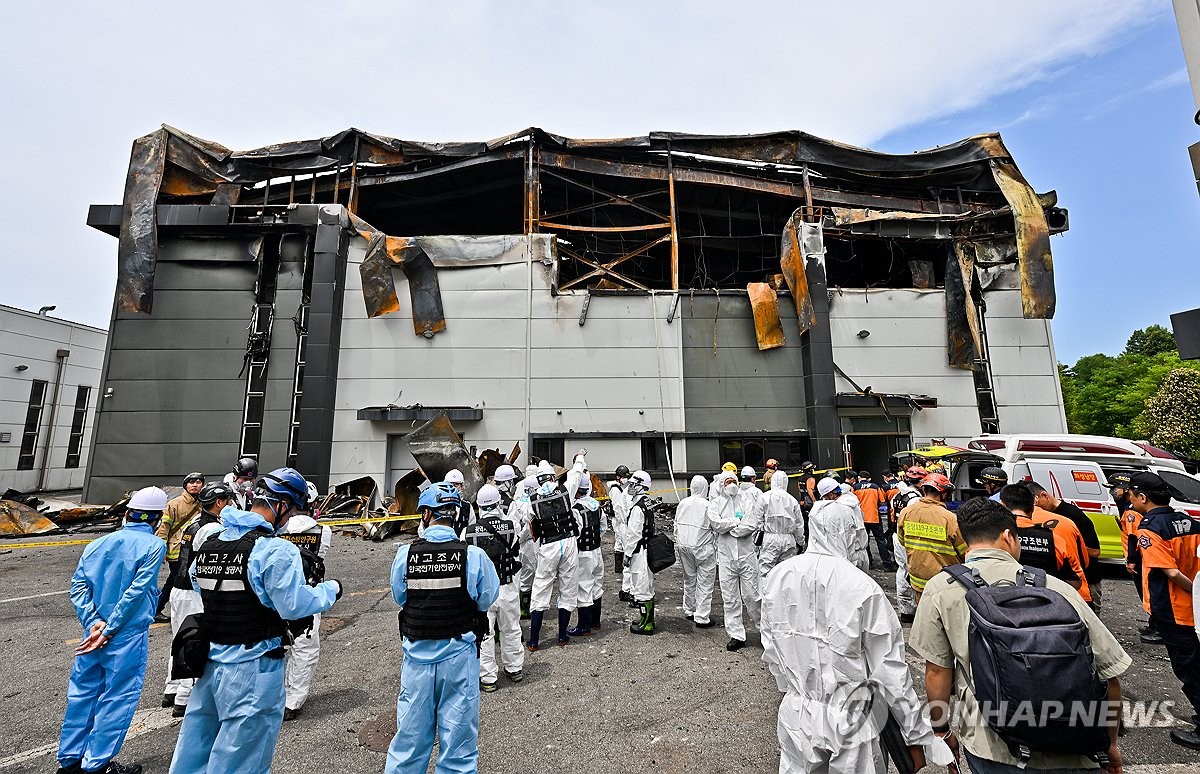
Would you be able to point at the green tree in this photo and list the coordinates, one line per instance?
(1152, 340)
(1103, 394)
(1172, 416)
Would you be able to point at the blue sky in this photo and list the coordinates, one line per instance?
(1110, 133)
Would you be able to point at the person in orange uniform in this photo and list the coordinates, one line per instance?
(1169, 542)
(1129, 520)
(874, 502)
(928, 531)
(1068, 563)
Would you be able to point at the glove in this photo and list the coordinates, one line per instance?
(339, 589)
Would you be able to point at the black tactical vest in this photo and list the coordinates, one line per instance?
(309, 543)
(183, 580)
(233, 613)
(438, 605)
(552, 518)
(647, 522)
(589, 533)
(497, 537)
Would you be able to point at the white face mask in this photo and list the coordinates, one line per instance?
(731, 489)
(547, 488)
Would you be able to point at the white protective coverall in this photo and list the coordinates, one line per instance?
(906, 600)
(306, 649)
(861, 537)
(783, 524)
(832, 641)
(558, 560)
(735, 518)
(185, 602)
(696, 549)
(641, 580)
(505, 615)
(620, 509)
(520, 512)
(834, 529)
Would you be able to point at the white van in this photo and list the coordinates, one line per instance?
(1075, 468)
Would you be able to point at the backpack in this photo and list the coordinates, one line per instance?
(1032, 665)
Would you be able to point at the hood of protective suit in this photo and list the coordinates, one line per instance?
(779, 481)
(699, 486)
(820, 539)
(239, 519)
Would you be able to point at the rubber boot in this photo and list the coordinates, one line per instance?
(596, 615)
(526, 596)
(584, 629)
(564, 621)
(639, 626)
(535, 627)
(648, 626)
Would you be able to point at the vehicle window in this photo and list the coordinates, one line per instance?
(1187, 486)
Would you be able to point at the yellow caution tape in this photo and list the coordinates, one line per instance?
(368, 520)
(47, 545)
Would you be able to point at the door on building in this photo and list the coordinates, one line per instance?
(870, 441)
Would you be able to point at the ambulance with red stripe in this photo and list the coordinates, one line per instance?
(1075, 468)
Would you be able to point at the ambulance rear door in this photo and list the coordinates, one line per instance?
(1082, 483)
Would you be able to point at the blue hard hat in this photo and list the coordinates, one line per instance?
(283, 483)
(439, 496)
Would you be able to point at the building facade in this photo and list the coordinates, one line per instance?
(669, 302)
(49, 388)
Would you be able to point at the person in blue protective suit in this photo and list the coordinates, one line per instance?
(444, 588)
(115, 593)
(252, 585)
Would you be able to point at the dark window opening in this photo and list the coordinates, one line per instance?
(884, 263)
(78, 419)
(654, 454)
(552, 449)
(790, 453)
(33, 423)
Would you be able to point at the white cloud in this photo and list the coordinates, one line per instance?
(84, 79)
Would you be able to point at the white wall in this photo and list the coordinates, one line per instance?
(27, 339)
(528, 367)
(907, 353)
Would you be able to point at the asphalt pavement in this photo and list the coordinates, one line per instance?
(614, 702)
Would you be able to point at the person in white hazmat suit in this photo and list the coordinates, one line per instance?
(590, 574)
(847, 498)
(735, 515)
(696, 550)
(783, 524)
(314, 540)
(749, 484)
(499, 536)
(620, 514)
(833, 528)
(639, 530)
(185, 600)
(554, 528)
(521, 512)
(835, 647)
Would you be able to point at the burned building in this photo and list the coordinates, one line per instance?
(670, 302)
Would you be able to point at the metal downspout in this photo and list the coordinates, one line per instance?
(62, 356)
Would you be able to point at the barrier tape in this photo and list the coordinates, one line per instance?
(47, 544)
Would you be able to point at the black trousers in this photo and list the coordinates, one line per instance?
(164, 596)
(1184, 651)
(883, 541)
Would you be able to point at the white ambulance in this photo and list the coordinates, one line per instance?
(1076, 468)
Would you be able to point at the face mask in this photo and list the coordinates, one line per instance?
(731, 489)
(547, 488)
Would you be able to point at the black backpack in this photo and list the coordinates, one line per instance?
(1031, 655)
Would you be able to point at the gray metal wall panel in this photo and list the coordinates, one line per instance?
(171, 427)
(740, 388)
(168, 462)
(190, 305)
(182, 364)
(203, 276)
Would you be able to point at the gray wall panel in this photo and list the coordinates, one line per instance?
(170, 427)
(741, 388)
(204, 276)
(170, 462)
(165, 333)
(183, 364)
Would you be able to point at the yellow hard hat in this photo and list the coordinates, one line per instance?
(729, 467)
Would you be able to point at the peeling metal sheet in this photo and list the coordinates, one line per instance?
(463, 252)
(1033, 241)
(765, 304)
(379, 285)
(137, 249)
(17, 519)
(797, 236)
(961, 334)
(438, 449)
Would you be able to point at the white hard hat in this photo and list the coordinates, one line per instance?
(545, 468)
(148, 500)
(642, 477)
(529, 484)
(748, 472)
(826, 485)
(585, 485)
(313, 494)
(530, 470)
(488, 495)
(505, 473)
(455, 476)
